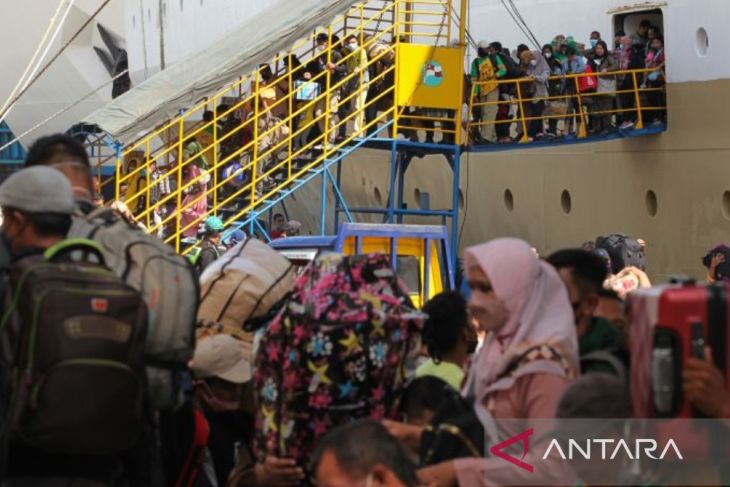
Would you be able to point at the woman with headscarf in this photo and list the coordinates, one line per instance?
(537, 71)
(194, 205)
(529, 357)
(603, 63)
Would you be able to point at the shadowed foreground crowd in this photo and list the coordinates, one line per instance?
(328, 377)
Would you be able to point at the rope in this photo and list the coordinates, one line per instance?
(62, 111)
(58, 54)
(7, 104)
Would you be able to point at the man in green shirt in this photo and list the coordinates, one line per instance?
(485, 71)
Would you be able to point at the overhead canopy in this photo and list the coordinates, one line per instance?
(205, 72)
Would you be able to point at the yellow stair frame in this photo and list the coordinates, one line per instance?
(380, 27)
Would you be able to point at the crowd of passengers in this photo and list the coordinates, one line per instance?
(552, 101)
(367, 390)
(502, 88)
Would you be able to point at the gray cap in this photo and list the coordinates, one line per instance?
(38, 189)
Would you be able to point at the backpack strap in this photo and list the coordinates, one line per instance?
(537, 352)
(196, 455)
(84, 245)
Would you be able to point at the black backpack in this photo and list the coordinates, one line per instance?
(623, 250)
(73, 338)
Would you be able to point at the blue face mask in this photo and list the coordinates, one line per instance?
(594, 42)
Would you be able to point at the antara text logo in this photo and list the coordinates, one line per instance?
(590, 449)
(596, 448)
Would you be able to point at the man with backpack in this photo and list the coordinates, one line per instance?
(209, 248)
(166, 281)
(73, 333)
(485, 71)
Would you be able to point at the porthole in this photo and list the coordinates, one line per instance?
(378, 196)
(651, 203)
(509, 200)
(702, 42)
(462, 200)
(566, 202)
(726, 205)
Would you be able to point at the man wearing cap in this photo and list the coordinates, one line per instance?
(37, 204)
(221, 369)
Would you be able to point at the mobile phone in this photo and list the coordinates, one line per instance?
(698, 341)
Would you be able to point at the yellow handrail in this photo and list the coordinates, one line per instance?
(636, 90)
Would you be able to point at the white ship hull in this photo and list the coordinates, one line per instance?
(607, 183)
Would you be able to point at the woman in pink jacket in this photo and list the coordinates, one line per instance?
(528, 360)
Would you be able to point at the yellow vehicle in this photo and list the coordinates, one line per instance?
(419, 253)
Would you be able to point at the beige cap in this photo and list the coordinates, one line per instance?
(221, 356)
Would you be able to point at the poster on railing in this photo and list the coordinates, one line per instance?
(429, 76)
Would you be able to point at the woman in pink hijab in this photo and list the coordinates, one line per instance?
(529, 358)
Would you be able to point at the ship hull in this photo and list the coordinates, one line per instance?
(607, 185)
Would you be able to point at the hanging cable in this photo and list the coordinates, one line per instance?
(534, 38)
(62, 111)
(58, 54)
(517, 21)
(33, 60)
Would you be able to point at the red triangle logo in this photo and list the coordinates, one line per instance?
(523, 437)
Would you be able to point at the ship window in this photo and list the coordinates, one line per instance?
(566, 202)
(509, 200)
(378, 196)
(726, 205)
(652, 204)
(703, 42)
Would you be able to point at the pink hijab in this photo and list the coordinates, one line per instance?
(624, 55)
(540, 313)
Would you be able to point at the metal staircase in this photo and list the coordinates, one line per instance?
(247, 148)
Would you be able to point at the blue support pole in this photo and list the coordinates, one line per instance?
(339, 199)
(393, 172)
(336, 184)
(401, 183)
(262, 229)
(426, 270)
(456, 167)
(323, 214)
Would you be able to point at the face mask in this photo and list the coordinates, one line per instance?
(352, 46)
(320, 48)
(548, 55)
(490, 312)
(533, 62)
(594, 42)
